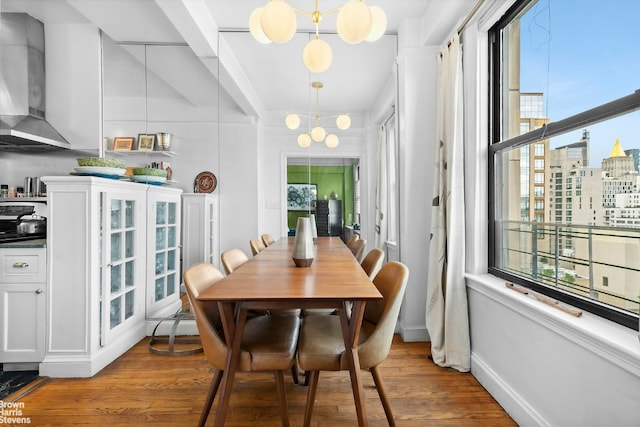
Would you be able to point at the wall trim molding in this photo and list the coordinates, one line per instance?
(412, 334)
(516, 406)
(612, 342)
(85, 365)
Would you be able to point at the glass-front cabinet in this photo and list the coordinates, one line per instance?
(122, 270)
(201, 229)
(164, 263)
(113, 259)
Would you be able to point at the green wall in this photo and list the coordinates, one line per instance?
(328, 179)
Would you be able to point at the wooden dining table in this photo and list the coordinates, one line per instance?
(270, 280)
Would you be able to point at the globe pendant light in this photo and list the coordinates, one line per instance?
(317, 55)
(278, 21)
(304, 140)
(332, 140)
(292, 121)
(255, 27)
(318, 133)
(379, 24)
(354, 21)
(343, 122)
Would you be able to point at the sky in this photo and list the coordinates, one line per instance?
(580, 54)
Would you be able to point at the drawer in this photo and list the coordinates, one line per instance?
(23, 265)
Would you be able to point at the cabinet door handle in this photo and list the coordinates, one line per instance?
(21, 264)
(39, 291)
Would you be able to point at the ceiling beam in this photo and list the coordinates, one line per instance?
(194, 21)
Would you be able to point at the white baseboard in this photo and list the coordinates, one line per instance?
(87, 365)
(511, 402)
(412, 334)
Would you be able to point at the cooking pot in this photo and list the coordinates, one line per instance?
(29, 224)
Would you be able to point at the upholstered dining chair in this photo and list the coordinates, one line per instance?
(268, 342)
(321, 345)
(357, 248)
(267, 239)
(232, 259)
(256, 246)
(352, 239)
(372, 263)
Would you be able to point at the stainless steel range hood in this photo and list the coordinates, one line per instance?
(22, 86)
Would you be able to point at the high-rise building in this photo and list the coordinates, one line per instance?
(533, 163)
(567, 192)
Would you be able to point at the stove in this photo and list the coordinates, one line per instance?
(9, 213)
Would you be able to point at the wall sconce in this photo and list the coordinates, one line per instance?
(356, 22)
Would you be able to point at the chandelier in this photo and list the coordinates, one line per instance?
(318, 133)
(356, 22)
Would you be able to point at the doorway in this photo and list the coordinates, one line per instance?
(331, 181)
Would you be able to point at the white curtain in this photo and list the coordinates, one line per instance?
(380, 236)
(447, 316)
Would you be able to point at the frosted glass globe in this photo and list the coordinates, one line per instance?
(332, 140)
(292, 121)
(303, 140)
(278, 21)
(354, 21)
(256, 28)
(379, 25)
(318, 134)
(317, 56)
(343, 122)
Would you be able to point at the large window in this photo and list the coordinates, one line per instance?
(565, 88)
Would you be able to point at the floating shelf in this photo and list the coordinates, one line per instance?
(126, 153)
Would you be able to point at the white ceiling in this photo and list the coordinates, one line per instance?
(261, 79)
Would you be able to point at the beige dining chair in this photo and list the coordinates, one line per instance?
(372, 263)
(267, 239)
(357, 248)
(256, 246)
(321, 344)
(352, 240)
(268, 342)
(232, 259)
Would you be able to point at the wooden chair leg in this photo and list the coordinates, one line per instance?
(282, 397)
(377, 379)
(294, 373)
(211, 394)
(312, 377)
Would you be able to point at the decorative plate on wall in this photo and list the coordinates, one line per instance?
(206, 182)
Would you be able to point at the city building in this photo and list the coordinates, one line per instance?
(635, 153)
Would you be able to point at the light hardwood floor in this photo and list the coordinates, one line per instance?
(141, 388)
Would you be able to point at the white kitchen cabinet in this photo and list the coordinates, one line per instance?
(200, 229)
(102, 269)
(22, 306)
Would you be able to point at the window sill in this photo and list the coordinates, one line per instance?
(612, 341)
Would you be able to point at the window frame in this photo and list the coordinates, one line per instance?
(620, 106)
